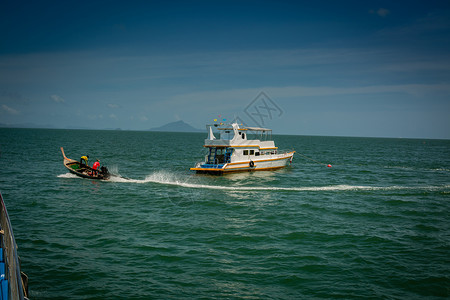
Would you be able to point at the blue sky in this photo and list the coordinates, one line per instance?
(352, 68)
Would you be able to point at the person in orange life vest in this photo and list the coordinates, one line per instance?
(95, 167)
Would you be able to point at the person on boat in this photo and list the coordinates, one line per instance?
(95, 167)
(84, 160)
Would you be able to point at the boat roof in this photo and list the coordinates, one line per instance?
(246, 128)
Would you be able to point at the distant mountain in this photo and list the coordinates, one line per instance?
(27, 125)
(178, 126)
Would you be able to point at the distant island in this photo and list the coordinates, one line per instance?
(27, 125)
(178, 126)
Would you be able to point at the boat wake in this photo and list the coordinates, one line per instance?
(68, 175)
(167, 178)
(171, 179)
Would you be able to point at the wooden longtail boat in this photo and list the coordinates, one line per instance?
(75, 167)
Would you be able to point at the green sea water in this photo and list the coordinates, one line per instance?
(375, 225)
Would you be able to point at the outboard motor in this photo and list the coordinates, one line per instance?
(104, 171)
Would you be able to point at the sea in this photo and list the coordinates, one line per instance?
(374, 225)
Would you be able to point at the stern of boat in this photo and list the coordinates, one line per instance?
(205, 168)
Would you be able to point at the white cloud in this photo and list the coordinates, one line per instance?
(113, 116)
(143, 118)
(410, 89)
(10, 110)
(112, 105)
(239, 98)
(13, 98)
(57, 99)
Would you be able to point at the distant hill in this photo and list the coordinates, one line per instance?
(178, 126)
(27, 125)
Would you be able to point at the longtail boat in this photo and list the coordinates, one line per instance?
(85, 171)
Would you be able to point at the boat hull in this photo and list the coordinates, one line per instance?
(84, 171)
(73, 168)
(258, 164)
(14, 283)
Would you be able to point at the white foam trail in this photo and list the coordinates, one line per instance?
(157, 177)
(171, 179)
(441, 169)
(68, 175)
(341, 187)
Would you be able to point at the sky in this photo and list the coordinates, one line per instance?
(331, 68)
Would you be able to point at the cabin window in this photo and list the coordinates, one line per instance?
(252, 152)
(256, 153)
(245, 152)
(243, 136)
(228, 153)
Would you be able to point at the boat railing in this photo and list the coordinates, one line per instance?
(12, 276)
(215, 165)
(284, 151)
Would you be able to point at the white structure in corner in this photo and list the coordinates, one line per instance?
(233, 152)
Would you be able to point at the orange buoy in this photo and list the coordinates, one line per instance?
(329, 166)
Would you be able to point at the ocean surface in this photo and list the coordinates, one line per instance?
(376, 225)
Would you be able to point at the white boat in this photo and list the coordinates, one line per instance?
(235, 151)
